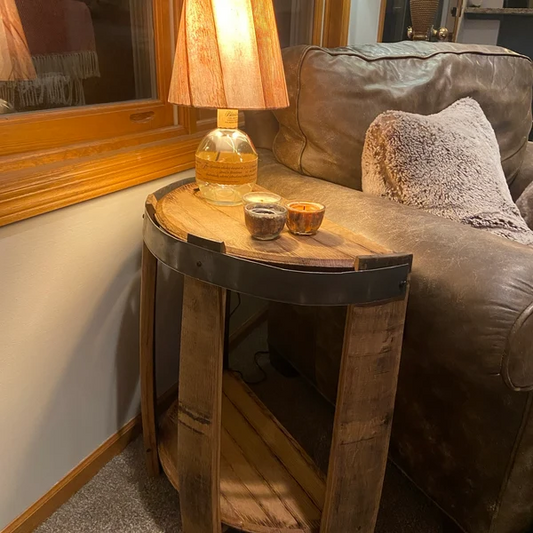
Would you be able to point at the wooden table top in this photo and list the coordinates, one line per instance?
(182, 212)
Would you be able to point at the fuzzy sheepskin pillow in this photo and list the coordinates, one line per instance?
(447, 164)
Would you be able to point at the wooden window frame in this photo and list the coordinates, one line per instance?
(318, 25)
(336, 23)
(382, 16)
(53, 159)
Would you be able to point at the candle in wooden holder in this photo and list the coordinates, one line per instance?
(304, 218)
(265, 221)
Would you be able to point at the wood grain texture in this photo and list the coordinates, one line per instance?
(267, 482)
(74, 142)
(381, 24)
(45, 130)
(147, 359)
(363, 416)
(38, 190)
(63, 154)
(42, 130)
(273, 82)
(336, 23)
(184, 212)
(199, 409)
(318, 22)
(297, 463)
(214, 48)
(457, 21)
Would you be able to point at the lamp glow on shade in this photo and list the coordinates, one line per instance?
(15, 57)
(228, 57)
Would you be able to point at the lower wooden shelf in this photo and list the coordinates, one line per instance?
(267, 481)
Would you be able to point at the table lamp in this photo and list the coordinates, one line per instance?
(15, 57)
(228, 57)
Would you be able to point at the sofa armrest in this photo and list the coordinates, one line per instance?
(525, 174)
(471, 299)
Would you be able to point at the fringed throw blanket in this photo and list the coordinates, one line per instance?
(61, 41)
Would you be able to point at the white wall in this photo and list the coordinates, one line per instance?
(69, 294)
(364, 21)
(480, 31)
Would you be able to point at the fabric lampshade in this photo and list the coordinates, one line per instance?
(15, 59)
(228, 56)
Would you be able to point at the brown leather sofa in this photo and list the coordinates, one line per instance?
(463, 424)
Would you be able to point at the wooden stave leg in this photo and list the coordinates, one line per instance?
(200, 405)
(358, 458)
(147, 359)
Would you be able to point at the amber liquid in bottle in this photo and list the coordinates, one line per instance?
(226, 162)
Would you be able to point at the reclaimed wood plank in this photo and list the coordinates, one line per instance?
(147, 359)
(199, 411)
(258, 493)
(277, 438)
(363, 416)
(270, 469)
(183, 212)
(252, 496)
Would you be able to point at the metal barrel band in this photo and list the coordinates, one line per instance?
(270, 282)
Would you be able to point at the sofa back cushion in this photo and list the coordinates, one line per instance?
(336, 94)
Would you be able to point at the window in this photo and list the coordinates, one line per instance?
(102, 69)
(92, 116)
(85, 53)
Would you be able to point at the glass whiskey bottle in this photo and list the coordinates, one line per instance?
(226, 162)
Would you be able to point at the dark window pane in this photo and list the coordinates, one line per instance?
(84, 52)
(295, 21)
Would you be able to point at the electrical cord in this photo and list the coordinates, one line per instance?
(264, 375)
(238, 304)
(256, 355)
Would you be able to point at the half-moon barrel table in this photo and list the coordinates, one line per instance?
(232, 462)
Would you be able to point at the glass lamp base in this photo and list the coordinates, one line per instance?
(218, 194)
(226, 162)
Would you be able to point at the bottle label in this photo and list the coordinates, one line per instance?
(224, 173)
(228, 119)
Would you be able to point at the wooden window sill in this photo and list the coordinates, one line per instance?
(38, 184)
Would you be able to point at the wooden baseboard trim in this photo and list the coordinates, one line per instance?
(83, 473)
(91, 465)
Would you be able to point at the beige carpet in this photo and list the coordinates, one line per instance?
(123, 499)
